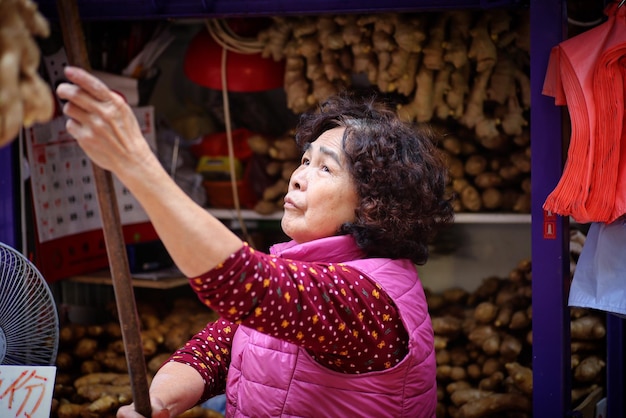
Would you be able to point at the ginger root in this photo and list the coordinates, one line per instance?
(434, 49)
(589, 369)
(284, 148)
(296, 85)
(422, 107)
(456, 45)
(275, 38)
(485, 312)
(482, 49)
(495, 403)
(24, 97)
(589, 327)
(522, 377)
(86, 348)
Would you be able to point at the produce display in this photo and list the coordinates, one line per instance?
(92, 375)
(465, 73)
(482, 179)
(483, 343)
(488, 179)
(24, 97)
(468, 66)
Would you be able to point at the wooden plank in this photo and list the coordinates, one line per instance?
(104, 277)
(74, 41)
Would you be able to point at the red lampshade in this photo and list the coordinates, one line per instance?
(244, 72)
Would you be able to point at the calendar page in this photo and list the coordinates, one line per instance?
(64, 193)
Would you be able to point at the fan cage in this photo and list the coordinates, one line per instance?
(29, 324)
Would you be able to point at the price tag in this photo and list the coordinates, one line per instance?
(549, 225)
(26, 391)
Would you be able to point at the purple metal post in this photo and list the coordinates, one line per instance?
(615, 370)
(8, 216)
(550, 236)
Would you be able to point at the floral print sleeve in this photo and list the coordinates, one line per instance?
(344, 319)
(209, 353)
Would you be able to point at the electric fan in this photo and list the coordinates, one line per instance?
(29, 325)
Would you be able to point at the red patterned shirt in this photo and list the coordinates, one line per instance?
(344, 319)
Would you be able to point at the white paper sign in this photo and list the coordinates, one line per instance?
(26, 391)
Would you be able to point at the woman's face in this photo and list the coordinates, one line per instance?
(321, 195)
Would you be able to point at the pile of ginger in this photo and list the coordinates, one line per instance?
(464, 71)
(25, 98)
(467, 66)
(487, 179)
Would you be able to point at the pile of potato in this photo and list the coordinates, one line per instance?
(483, 342)
(92, 375)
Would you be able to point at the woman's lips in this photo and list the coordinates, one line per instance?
(289, 204)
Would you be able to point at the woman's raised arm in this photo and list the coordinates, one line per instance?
(107, 130)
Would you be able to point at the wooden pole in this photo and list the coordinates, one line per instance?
(74, 40)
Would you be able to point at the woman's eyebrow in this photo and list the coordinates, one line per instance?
(331, 153)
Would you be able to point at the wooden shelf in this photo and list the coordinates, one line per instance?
(492, 218)
(460, 218)
(104, 277)
(246, 214)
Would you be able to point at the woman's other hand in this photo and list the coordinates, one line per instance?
(158, 411)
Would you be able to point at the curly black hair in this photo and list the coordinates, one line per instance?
(399, 172)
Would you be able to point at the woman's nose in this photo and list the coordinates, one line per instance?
(298, 179)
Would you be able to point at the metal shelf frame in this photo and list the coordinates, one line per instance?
(551, 331)
(9, 195)
(460, 218)
(550, 251)
(180, 9)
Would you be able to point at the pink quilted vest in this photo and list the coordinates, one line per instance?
(272, 378)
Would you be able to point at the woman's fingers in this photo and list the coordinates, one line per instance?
(91, 104)
(101, 121)
(81, 123)
(75, 112)
(90, 94)
(88, 82)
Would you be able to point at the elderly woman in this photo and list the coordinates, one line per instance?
(331, 323)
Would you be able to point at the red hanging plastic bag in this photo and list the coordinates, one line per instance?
(586, 73)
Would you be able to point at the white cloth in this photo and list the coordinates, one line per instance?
(600, 277)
